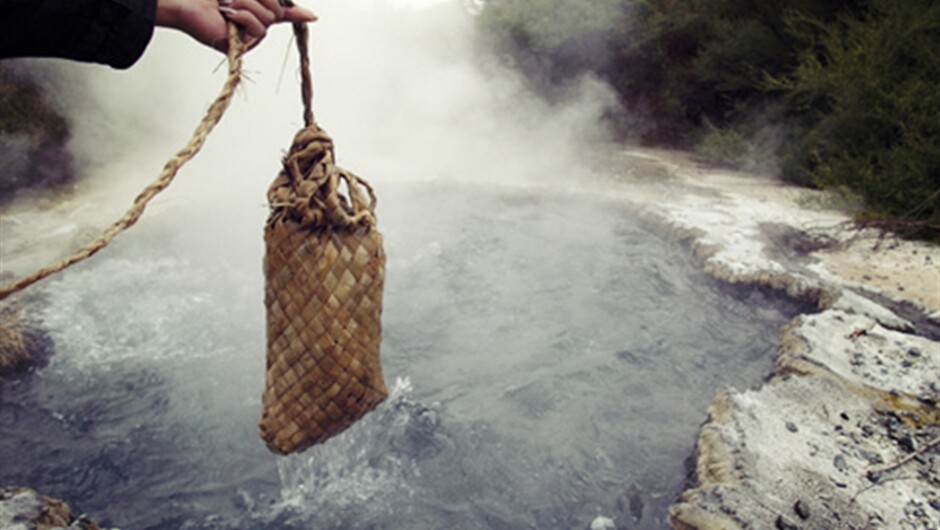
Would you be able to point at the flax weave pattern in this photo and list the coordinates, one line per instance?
(324, 271)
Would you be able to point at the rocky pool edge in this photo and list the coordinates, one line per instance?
(844, 432)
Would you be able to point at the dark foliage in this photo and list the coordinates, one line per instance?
(848, 90)
(33, 135)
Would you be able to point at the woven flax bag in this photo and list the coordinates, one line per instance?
(324, 268)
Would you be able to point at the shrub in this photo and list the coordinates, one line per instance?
(33, 135)
(869, 85)
(723, 146)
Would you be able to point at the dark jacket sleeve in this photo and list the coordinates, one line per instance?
(112, 32)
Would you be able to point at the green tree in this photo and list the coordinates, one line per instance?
(868, 89)
(853, 84)
(675, 64)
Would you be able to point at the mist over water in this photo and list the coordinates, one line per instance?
(552, 358)
(407, 93)
(405, 87)
(551, 355)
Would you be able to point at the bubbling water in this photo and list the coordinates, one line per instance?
(554, 353)
(554, 356)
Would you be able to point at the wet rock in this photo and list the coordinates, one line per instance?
(818, 345)
(749, 463)
(22, 345)
(872, 458)
(18, 507)
(871, 352)
(24, 509)
(801, 509)
(840, 464)
(905, 441)
(783, 524)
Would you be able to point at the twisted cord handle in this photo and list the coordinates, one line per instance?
(311, 190)
(301, 36)
(236, 50)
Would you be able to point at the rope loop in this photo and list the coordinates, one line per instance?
(313, 192)
(309, 189)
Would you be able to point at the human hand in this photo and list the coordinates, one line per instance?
(205, 20)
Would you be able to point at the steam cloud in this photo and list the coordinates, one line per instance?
(405, 87)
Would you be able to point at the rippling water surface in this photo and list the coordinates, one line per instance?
(552, 357)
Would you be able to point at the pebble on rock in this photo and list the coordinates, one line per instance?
(801, 509)
(783, 524)
(840, 463)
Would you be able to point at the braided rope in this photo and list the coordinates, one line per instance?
(236, 50)
(309, 189)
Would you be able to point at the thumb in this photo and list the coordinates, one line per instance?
(299, 14)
